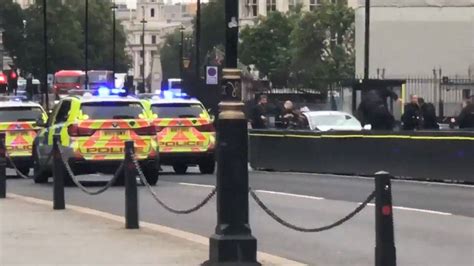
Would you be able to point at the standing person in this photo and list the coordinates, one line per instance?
(411, 116)
(466, 117)
(373, 109)
(258, 116)
(428, 115)
(289, 118)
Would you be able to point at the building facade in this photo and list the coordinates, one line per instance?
(160, 20)
(417, 38)
(250, 10)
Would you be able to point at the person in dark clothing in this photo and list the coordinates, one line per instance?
(258, 116)
(373, 109)
(411, 115)
(466, 117)
(428, 115)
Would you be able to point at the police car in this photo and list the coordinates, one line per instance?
(18, 122)
(93, 130)
(185, 130)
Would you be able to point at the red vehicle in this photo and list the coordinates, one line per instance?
(65, 80)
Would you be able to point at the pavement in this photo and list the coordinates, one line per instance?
(32, 233)
(434, 223)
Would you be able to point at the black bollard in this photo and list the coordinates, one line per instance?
(232, 243)
(3, 166)
(59, 172)
(385, 252)
(131, 195)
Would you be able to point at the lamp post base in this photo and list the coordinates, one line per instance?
(232, 250)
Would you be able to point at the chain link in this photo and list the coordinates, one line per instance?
(82, 187)
(310, 230)
(18, 172)
(168, 208)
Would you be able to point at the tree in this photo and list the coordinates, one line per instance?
(267, 46)
(65, 37)
(11, 20)
(323, 45)
(169, 54)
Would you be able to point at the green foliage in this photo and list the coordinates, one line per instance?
(65, 36)
(303, 49)
(169, 55)
(267, 46)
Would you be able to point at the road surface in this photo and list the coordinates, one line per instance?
(434, 223)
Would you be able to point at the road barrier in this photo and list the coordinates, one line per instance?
(420, 155)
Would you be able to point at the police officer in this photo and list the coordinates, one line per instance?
(466, 117)
(373, 109)
(428, 115)
(411, 116)
(259, 112)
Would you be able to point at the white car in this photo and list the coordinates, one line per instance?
(333, 120)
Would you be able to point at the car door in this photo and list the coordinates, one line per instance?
(54, 125)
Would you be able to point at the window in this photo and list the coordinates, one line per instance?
(313, 4)
(112, 110)
(271, 5)
(63, 112)
(252, 8)
(19, 114)
(152, 12)
(153, 39)
(292, 4)
(178, 110)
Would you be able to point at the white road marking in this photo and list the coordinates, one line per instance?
(434, 183)
(196, 185)
(321, 198)
(289, 194)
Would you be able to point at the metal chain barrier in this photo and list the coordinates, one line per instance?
(310, 230)
(82, 187)
(168, 208)
(18, 172)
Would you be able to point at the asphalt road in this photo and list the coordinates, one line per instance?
(434, 223)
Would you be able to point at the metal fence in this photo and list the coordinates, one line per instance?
(447, 94)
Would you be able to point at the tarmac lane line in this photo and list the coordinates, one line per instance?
(264, 258)
(321, 198)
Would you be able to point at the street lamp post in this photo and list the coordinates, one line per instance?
(198, 38)
(367, 39)
(232, 242)
(143, 21)
(181, 48)
(45, 43)
(86, 43)
(114, 9)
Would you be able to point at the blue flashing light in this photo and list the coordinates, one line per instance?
(117, 91)
(103, 91)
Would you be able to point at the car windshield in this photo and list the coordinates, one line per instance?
(112, 110)
(177, 110)
(333, 120)
(67, 79)
(17, 114)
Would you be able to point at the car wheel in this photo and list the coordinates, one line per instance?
(40, 174)
(180, 169)
(207, 167)
(152, 173)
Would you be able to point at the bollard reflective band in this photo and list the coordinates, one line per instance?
(386, 210)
